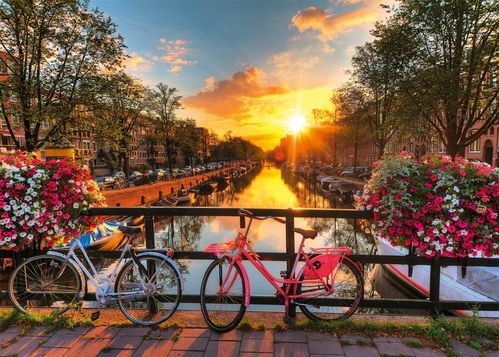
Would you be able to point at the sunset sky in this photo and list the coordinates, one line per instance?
(242, 65)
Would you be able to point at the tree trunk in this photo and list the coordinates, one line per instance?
(125, 161)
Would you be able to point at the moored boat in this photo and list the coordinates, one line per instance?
(480, 283)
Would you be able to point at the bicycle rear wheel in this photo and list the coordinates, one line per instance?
(149, 295)
(44, 284)
(348, 289)
(222, 295)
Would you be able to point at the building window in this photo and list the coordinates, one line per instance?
(441, 147)
(475, 145)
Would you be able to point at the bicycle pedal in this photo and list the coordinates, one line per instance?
(95, 315)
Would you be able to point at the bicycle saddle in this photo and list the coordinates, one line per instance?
(306, 233)
(130, 230)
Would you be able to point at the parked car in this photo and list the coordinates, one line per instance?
(100, 182)
(366, 175)
(105, 182)
(160, 174)
(134, 175)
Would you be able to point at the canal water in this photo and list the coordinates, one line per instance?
(263, 187)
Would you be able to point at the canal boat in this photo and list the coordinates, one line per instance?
(328, 184)
(167, 201)
(183, 195)
(480, 283)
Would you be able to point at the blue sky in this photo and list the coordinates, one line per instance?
(245, 65)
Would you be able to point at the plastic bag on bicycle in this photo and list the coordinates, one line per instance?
(323, 266)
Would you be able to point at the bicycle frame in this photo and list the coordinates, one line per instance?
(100, 282)
(244, 249)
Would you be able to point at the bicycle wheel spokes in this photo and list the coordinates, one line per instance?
(347, 290)
(44, 282)
(151, 294)
(222, 295)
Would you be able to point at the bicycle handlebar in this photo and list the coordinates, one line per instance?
(245, 213)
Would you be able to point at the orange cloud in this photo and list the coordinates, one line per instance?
(174, 54)
(330, 25)
(136, 63)
(232, 97)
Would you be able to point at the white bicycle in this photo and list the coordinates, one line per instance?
(147, 287)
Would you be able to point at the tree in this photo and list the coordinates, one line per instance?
(378, 74)
(52, 48)
(119, 105)
(164, 101)
(190, 138)
(454, 71)
(352, 116)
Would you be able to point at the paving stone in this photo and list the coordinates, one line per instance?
(317, 336)
(234, 335)
(125, 342)
(462, 349)
(154, 348)
(291, 349)
(13, 329)
(47, 351)
(195, 332)
(190, 344)
(80, 330)
(267, 334)
(116, 353)
(101, 332)
(6, 337)
(163, 334)
(253, 354)
(387, 339)
(39, 332)
(222, 348)
(427, 352)
(89, 346)
(134, 331)
(356, 339)
(62, 339)
(393, 349)
(325, 347)
(257, 345)
(22, 347)
(356, 351)
(290, 336)
(185, 354)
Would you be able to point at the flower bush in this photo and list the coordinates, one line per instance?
(438, 206)
(43, 201)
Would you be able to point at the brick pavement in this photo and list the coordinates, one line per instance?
(106, 341)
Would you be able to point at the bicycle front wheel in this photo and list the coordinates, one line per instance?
(222, 295)
(44, 284)
(347, 291)
(148, 291)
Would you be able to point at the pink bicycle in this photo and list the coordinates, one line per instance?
(324, 283)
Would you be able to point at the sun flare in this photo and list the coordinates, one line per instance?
(297, 123)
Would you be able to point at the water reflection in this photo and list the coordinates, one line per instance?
(263, 187)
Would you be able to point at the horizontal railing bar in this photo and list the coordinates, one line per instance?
(372, 303)
(363, 258)
(227, 211)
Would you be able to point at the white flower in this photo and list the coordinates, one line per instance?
(76, 205)
(456, 189)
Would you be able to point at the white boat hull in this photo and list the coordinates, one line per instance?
(480, 284)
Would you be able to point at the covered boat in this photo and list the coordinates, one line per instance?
(480, 283)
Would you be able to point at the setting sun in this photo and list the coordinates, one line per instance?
(297, 123)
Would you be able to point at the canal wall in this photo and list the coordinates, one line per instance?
(132, 196)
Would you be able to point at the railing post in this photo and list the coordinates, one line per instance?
(149, 225)
(290, 251)
(435, 286)
(160, 194)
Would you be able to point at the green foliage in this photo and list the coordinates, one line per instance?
(54, 49)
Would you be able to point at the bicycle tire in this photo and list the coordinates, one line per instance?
(215, 318)
(352, 281)
(137, 310)
(40, 272)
